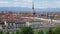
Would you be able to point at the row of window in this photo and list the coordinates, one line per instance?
(15, 25)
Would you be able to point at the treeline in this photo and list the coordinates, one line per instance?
(29, 30)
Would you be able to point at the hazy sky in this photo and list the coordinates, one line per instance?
(28, 3)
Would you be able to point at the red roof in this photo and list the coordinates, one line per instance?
(13, 18)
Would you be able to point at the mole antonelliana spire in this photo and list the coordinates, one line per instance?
(33, 8)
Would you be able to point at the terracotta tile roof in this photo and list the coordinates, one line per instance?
(10, 17)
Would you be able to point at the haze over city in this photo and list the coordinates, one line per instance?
(26, 5)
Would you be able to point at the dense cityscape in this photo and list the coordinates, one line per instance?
(29, 17)
(13, 21)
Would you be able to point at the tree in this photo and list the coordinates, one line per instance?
(49, 31)
(26, 30)
(56, 30)
(1, 32)
(7, 33)
(40, 32)
(12, 33)
(17, 32)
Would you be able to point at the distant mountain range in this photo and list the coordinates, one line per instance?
(24, 9)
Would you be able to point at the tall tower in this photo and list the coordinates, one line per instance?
(33, 12)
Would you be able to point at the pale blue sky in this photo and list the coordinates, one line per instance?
(28, 3)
